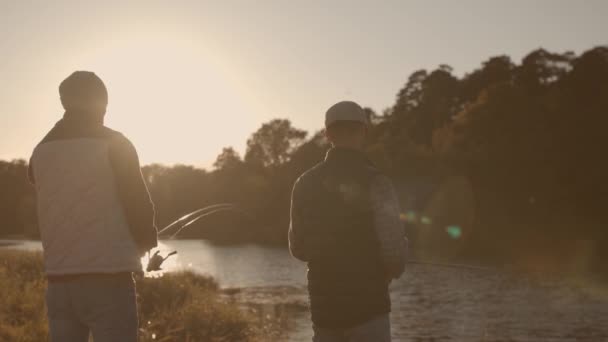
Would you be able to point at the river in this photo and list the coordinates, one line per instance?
(430, 303)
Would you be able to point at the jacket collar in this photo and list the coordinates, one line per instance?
(78, 119)
(346, 155)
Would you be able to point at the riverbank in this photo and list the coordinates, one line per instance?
(179, 306)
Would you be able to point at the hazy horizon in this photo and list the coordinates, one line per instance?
(186, 80)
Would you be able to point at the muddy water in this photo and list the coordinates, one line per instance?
(429, 303)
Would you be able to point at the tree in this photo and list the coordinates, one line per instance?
(228, 159)
(495, 71)
(272, 144)
(17, 200)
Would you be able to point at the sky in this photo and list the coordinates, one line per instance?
(186, 78)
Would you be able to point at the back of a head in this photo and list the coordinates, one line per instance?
(83, 91)
(345, 124)
(345, 111)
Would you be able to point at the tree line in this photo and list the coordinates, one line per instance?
(505, 160)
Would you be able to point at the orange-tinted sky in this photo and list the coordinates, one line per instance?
(189, 77)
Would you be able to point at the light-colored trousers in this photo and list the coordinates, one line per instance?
(101, 305)
(375, 330)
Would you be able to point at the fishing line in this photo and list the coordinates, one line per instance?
(449, 265)
(201, 216)
(189, 215)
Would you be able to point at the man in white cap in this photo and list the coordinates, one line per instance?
(345, 225)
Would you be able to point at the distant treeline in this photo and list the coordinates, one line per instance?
(506, 160)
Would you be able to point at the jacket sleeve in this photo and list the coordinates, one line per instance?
(133, 193)
(30, 172)
(296, 225)
(388, 227)
(306, 242)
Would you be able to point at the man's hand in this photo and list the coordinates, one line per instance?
(141, 252)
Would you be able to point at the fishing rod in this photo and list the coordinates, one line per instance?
(205, 214)
(156, 260)
(194, 213)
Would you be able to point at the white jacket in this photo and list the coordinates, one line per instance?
(91, 217)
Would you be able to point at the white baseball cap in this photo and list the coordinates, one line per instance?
(345, 111)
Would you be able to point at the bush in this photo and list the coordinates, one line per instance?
(176, 307)
(22, 311)
(186, 307)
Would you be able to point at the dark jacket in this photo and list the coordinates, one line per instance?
(332, 224)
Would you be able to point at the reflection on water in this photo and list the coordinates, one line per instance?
(235, 266)
(429, 303)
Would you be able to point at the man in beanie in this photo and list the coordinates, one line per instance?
(96, 218)
(345, 225)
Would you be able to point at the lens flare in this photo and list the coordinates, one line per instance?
(454, 231)
(409, 217)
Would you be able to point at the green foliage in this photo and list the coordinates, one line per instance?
(229, 159)
(272, 144)
(17, 204)
(175, 307)
(186, 307)
(22, 313)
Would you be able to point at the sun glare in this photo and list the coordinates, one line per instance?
(177, 101)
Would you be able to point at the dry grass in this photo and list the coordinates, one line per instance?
(175, 307)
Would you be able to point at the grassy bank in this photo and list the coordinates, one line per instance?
(175, 307)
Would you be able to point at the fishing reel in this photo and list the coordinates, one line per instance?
(156, 260)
